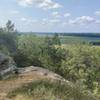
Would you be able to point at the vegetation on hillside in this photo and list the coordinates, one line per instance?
(78, 63)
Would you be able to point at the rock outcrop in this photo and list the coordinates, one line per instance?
(7, 66)
(41, 71)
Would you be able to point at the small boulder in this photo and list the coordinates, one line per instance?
(7, 66)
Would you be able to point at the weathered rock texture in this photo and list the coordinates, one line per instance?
(7, 66)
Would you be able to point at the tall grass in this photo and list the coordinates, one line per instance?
(50, 90)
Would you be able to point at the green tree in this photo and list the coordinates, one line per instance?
(29, 50)
(52, 53)
(56, 39)
(8, 37)
(10, 26)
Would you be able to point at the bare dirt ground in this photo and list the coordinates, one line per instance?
(28, 75)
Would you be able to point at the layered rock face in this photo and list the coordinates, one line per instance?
(7, 66)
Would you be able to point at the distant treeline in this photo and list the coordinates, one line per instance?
(96, 35)
(95, 43)
(84, 35)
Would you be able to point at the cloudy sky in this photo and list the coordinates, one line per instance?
(52, 15)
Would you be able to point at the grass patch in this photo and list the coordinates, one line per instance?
(10, 77)
(50, 90)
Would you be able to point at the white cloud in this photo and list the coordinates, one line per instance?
(97, 22)
(54, 21)
(28, 20)
(50, 22)
(14, 12)
(23, 19)
(64, 23)
(97, 13)
(34, 20)
(46, 21)
(82, 20)
(67, 14)
(56, 14)
(25, 2)
(44, 4)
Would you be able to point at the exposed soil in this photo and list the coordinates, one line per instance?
(27, 75)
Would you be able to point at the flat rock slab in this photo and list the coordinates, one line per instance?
(41, 71)
(25, 76)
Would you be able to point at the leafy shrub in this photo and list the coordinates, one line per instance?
(83, 65)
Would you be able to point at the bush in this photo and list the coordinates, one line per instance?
(83, 65)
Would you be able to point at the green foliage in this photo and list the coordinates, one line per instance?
(77, 62)
(52, 55)
(8, 38)
(46, 90)
(28, 51)
(33, 50)
(9, 27)
(83, 65)
(4, 49)
(56, 39)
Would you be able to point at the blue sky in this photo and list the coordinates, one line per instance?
(52, 15)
